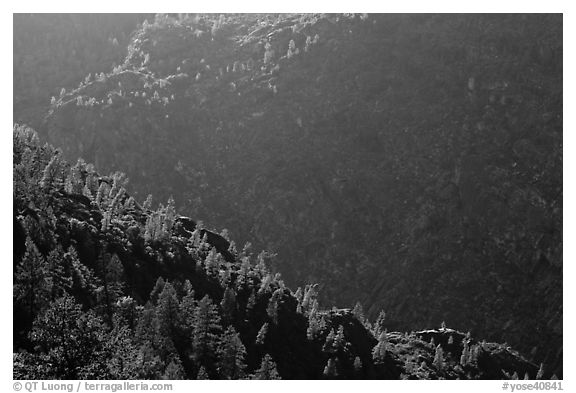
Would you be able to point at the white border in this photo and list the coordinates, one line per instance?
(293, 6)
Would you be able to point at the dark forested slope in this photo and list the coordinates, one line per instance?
(412, 162)
(106, 288)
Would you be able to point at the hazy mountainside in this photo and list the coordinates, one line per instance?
(52, 51)
(106, 288)
(412, 162)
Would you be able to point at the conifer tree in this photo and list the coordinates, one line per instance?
(540, 373)
(212, 263)
(187, 309)
(439, 358)
(174, 370)
(379, 351)
(314, 326)
(307, 44)
(312, 329)
(358, 312)
(474, 353)
(465, 353)
(115, 203)
(130, 203)
(251, 302)
(322, 324)
(111, 288)
(339, 339)
(357, 365)
(378, 327)
(298, 295)
(102, 195)
(268, 54)
(154, 230)
(60, 282)
(329, 343)
(87, 193)
(147, 205)
(243, 273)
(32, 288)
(232, 247)
(187, 287)
(267, 369)
(83, 278)
(123, 353)
(202, 374)
(291, 49)
(169, 216)
(145, 329)
(310, 295)
(225, 276)
(330, 371)
(273, 305)
(74, 182)
(53, 172)
(299, 308)
(127, 311)
(265, 284)
(106, 220)
(206, 331)
(231, 354)
(158, 288)
(228, 305)
(167, 316)
(261, 336)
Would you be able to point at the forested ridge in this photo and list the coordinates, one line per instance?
(411, 163)
(106, 288)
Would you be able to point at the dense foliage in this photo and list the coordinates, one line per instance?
(105, 288)
(412, 162)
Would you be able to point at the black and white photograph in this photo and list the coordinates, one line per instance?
(287, 196)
